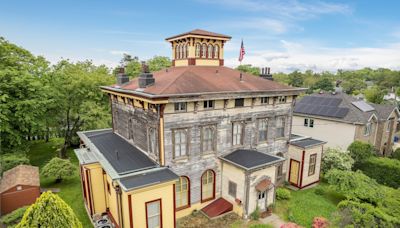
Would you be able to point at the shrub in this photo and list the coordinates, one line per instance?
(336, 159)
(58, 168)
(261, 226)
(319, 190)
(355, 186)
(49, 210)
(283, 194)
(255, 215)
(396, 154)
(363, 215)
(360, 151)
(14, 217)
(10, 160)
(385, 171)
(320, 222)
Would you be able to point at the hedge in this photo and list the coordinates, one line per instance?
(385, 171)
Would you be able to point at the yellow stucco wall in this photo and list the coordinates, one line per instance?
(96, 186)
(111, 197)
(139, 198)
(236, 175)
(255, 178)
(313, 178)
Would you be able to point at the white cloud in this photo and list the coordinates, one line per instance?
(320, 58)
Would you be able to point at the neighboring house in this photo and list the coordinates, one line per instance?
(340, 119)
(195, 136)
(304, 159)
(20, 186)
(391, 97)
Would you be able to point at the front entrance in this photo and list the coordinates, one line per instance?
(294, 172)
(262, 200)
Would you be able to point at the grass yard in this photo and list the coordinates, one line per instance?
(70, 189)
(304, 205)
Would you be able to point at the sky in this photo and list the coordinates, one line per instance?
(283, 35)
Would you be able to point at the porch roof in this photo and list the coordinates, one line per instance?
(251, 159)
(148, 178)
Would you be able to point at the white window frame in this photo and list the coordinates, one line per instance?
(208, 104)
(367, 129)
(180, 107)
(264, 100)
(237, 133)
(282, 120)
(180, 146)
(152, 216)
(182, 192)
(262, 128)
(207, 139)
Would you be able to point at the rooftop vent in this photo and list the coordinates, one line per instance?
(266, 73)
(122, 78)
(146, 78)
(363, 106)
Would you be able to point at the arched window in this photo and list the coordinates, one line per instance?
(216, 51)
(204, 51)
(186, 51)
(198, 47)
(207, 185)
(181, 51)
(210, 51)
(182, 198)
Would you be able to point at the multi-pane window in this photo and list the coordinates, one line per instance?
(210, 51)
(208, 139)
(308, 122)
(282, 99)
(280, 126)
(198, 47)
(264, 100)
(239, 102)
(216, 51)
(152, 141)
(311, 167)
(182, 192)
(262, 130)
(232, 189)
(237, 133)
(207, 185)
(153, 212)
(367, 129)
(180, 107)
(180, 143)
(209, 104)
(204, 51)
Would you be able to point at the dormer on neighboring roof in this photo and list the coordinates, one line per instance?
(198, 47)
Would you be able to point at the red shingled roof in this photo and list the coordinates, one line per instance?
(201, 33)
(204, 79)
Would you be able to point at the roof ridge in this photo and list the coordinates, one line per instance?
(173, 81)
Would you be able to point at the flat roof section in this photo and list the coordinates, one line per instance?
(249, 159)
(306, 143)
(147, 179)
(123, 156)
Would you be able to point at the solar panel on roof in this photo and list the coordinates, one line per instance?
(342, 112)
(363, 106)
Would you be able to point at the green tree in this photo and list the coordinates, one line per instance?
(361, 151)
(334, 158)
(374, 95)
(49, 210)
(58, 168)
(11, 160)
(353, 84)
(248, 68)
(132, 68)
(296, 79)
(158, 63)
(22, 94)
(324, 84)
(355, 186)
(80, 104)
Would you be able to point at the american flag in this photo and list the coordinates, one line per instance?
(242, 52)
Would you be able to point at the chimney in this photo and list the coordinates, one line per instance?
(146, 78)
(122, 78)
(266, 74)
(241, 77)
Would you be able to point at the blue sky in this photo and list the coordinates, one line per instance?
(284, 35)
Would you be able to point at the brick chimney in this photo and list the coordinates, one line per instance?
(146, 78)
(122, 78)
(266, 74)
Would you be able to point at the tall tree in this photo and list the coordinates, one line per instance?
(248, 68)
(158, 63)
(296, 79)
(374, 95)
(79, 102)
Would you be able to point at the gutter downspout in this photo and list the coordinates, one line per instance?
(247, 191)
(119, 205)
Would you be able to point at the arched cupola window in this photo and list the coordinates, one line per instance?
(204, 51)
(210, 51)
(198, 47)
(216, 51)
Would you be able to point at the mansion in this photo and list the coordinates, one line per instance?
(195, 136)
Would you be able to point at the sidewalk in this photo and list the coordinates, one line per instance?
(274, 220)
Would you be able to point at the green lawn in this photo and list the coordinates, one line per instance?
(306, 204)
(70, 189)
